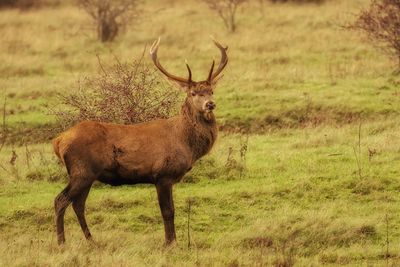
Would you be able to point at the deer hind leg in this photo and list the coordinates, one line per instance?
(61, 203)
(74, 192)
(78, 205)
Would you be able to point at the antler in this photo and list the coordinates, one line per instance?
(153, 54)
(211, 72)
(222, 63)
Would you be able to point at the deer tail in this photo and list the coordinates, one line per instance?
(56, 147)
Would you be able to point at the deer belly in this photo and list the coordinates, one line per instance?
(149, 167)
(172, 167)
(122, 176)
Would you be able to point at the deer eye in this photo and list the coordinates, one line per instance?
(193, 93)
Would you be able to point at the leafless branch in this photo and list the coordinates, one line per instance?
(110, 15)
(123, 93)
(226, 10)
(380, 22)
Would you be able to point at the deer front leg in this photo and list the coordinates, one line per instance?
(165, 200)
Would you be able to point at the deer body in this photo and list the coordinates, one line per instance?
(158, 152)
(141, 153)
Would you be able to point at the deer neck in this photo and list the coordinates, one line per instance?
(199, 131)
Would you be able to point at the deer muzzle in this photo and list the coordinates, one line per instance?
(210, 105)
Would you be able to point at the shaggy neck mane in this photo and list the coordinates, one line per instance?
(200, 131)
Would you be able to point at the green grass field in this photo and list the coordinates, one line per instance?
(318, 186)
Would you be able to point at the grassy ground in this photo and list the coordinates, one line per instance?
(314, 188)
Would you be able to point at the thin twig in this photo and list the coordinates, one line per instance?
(334, 154)
(101, 65)
(358, 155)
(188, 222)
(359, 138)
(387, 239)
(358, 162)
(3, 141)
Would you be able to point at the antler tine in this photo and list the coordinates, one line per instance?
(153, 54)
(189, 71)
(154, 46)
(224, 59)
(211, 72)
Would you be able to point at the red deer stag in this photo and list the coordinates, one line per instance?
(158, 152)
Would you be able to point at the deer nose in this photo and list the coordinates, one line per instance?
(210, 105)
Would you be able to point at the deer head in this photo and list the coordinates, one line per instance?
(199, 94)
